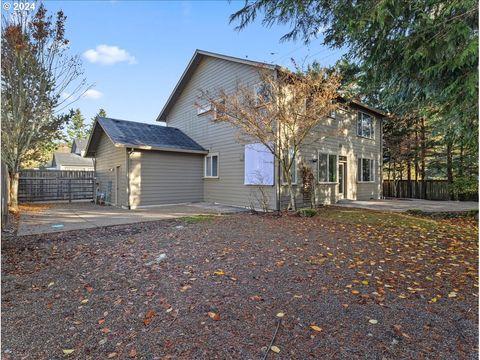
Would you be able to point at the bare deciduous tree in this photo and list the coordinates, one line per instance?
(39, 79)
(280, 112)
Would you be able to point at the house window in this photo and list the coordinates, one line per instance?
(327, 168)
(203, 108)
(293, 168)
(365, 125)
(258, 165)
(366, 170)
(211, 166)
(263, 93)
(333, 114)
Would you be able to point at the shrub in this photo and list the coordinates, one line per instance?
(465, 188)
(307, 212)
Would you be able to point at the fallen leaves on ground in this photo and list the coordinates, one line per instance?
(340, 269)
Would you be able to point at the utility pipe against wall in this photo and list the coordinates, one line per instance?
(129, 152)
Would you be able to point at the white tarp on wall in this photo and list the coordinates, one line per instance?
(259, 167)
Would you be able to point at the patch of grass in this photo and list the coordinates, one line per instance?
(195, 219)
(307, 212)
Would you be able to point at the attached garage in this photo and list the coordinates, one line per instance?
(141, 165)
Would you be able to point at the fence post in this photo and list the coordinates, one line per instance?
(69, 190)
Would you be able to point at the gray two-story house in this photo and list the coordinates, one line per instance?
(194, 158)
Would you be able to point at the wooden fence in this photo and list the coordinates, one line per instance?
(434, 189)
(51, 185)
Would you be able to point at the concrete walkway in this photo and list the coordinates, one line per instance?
(410, 204)
(77, 216)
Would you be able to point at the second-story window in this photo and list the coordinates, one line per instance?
(263, 93)
(365, 125)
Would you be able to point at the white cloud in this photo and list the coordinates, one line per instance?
(108, 55)
(65, 95)
(92, 94)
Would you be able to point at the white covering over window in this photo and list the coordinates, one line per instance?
(258, 165)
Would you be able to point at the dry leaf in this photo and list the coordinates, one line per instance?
(280, 314)
(315, 328)
(373, 321)
(84, 301)
(133, 353)
(51, 284)
(452, 294)
(355, 292)
(89, 288)
(149, 317)
(256, 298)
(106, 330)
(112, 355)
(68, 351)
(101, 321)
(275, 349)
(214, 316)
(219, 273)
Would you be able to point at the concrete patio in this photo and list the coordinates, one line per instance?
(403, 205)
(77, 216)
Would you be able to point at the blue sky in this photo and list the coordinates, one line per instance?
(147, 45)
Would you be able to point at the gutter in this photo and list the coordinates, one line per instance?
(128, 153)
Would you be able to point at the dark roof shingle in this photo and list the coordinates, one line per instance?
(135, 134)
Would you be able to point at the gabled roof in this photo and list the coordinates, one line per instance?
(192, 66)
(141, 136)
(70, 159)
(195, 61)
(79, 145)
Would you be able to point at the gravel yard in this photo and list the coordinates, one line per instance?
(352, 284)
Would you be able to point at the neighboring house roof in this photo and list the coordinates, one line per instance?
(79, 145)
(195, 61)
(141, 136)
(70, 159)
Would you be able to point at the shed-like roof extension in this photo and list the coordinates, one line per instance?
(195, 61)
(141, 136)
(70, 159)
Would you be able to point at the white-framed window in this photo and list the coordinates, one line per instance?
(327, 168)
(365, 125)
(293, 168)
(333, 114)
(263, 93)
(259, 168)
(211, 165)
(366, 170)
(203, 108)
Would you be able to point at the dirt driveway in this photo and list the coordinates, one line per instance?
(49, 218)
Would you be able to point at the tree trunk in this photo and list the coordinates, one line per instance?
(293, 205)
(423, 155)
(450, 167)
(13, 191)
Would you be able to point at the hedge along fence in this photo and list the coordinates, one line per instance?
(52, 185)
(428, 189)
